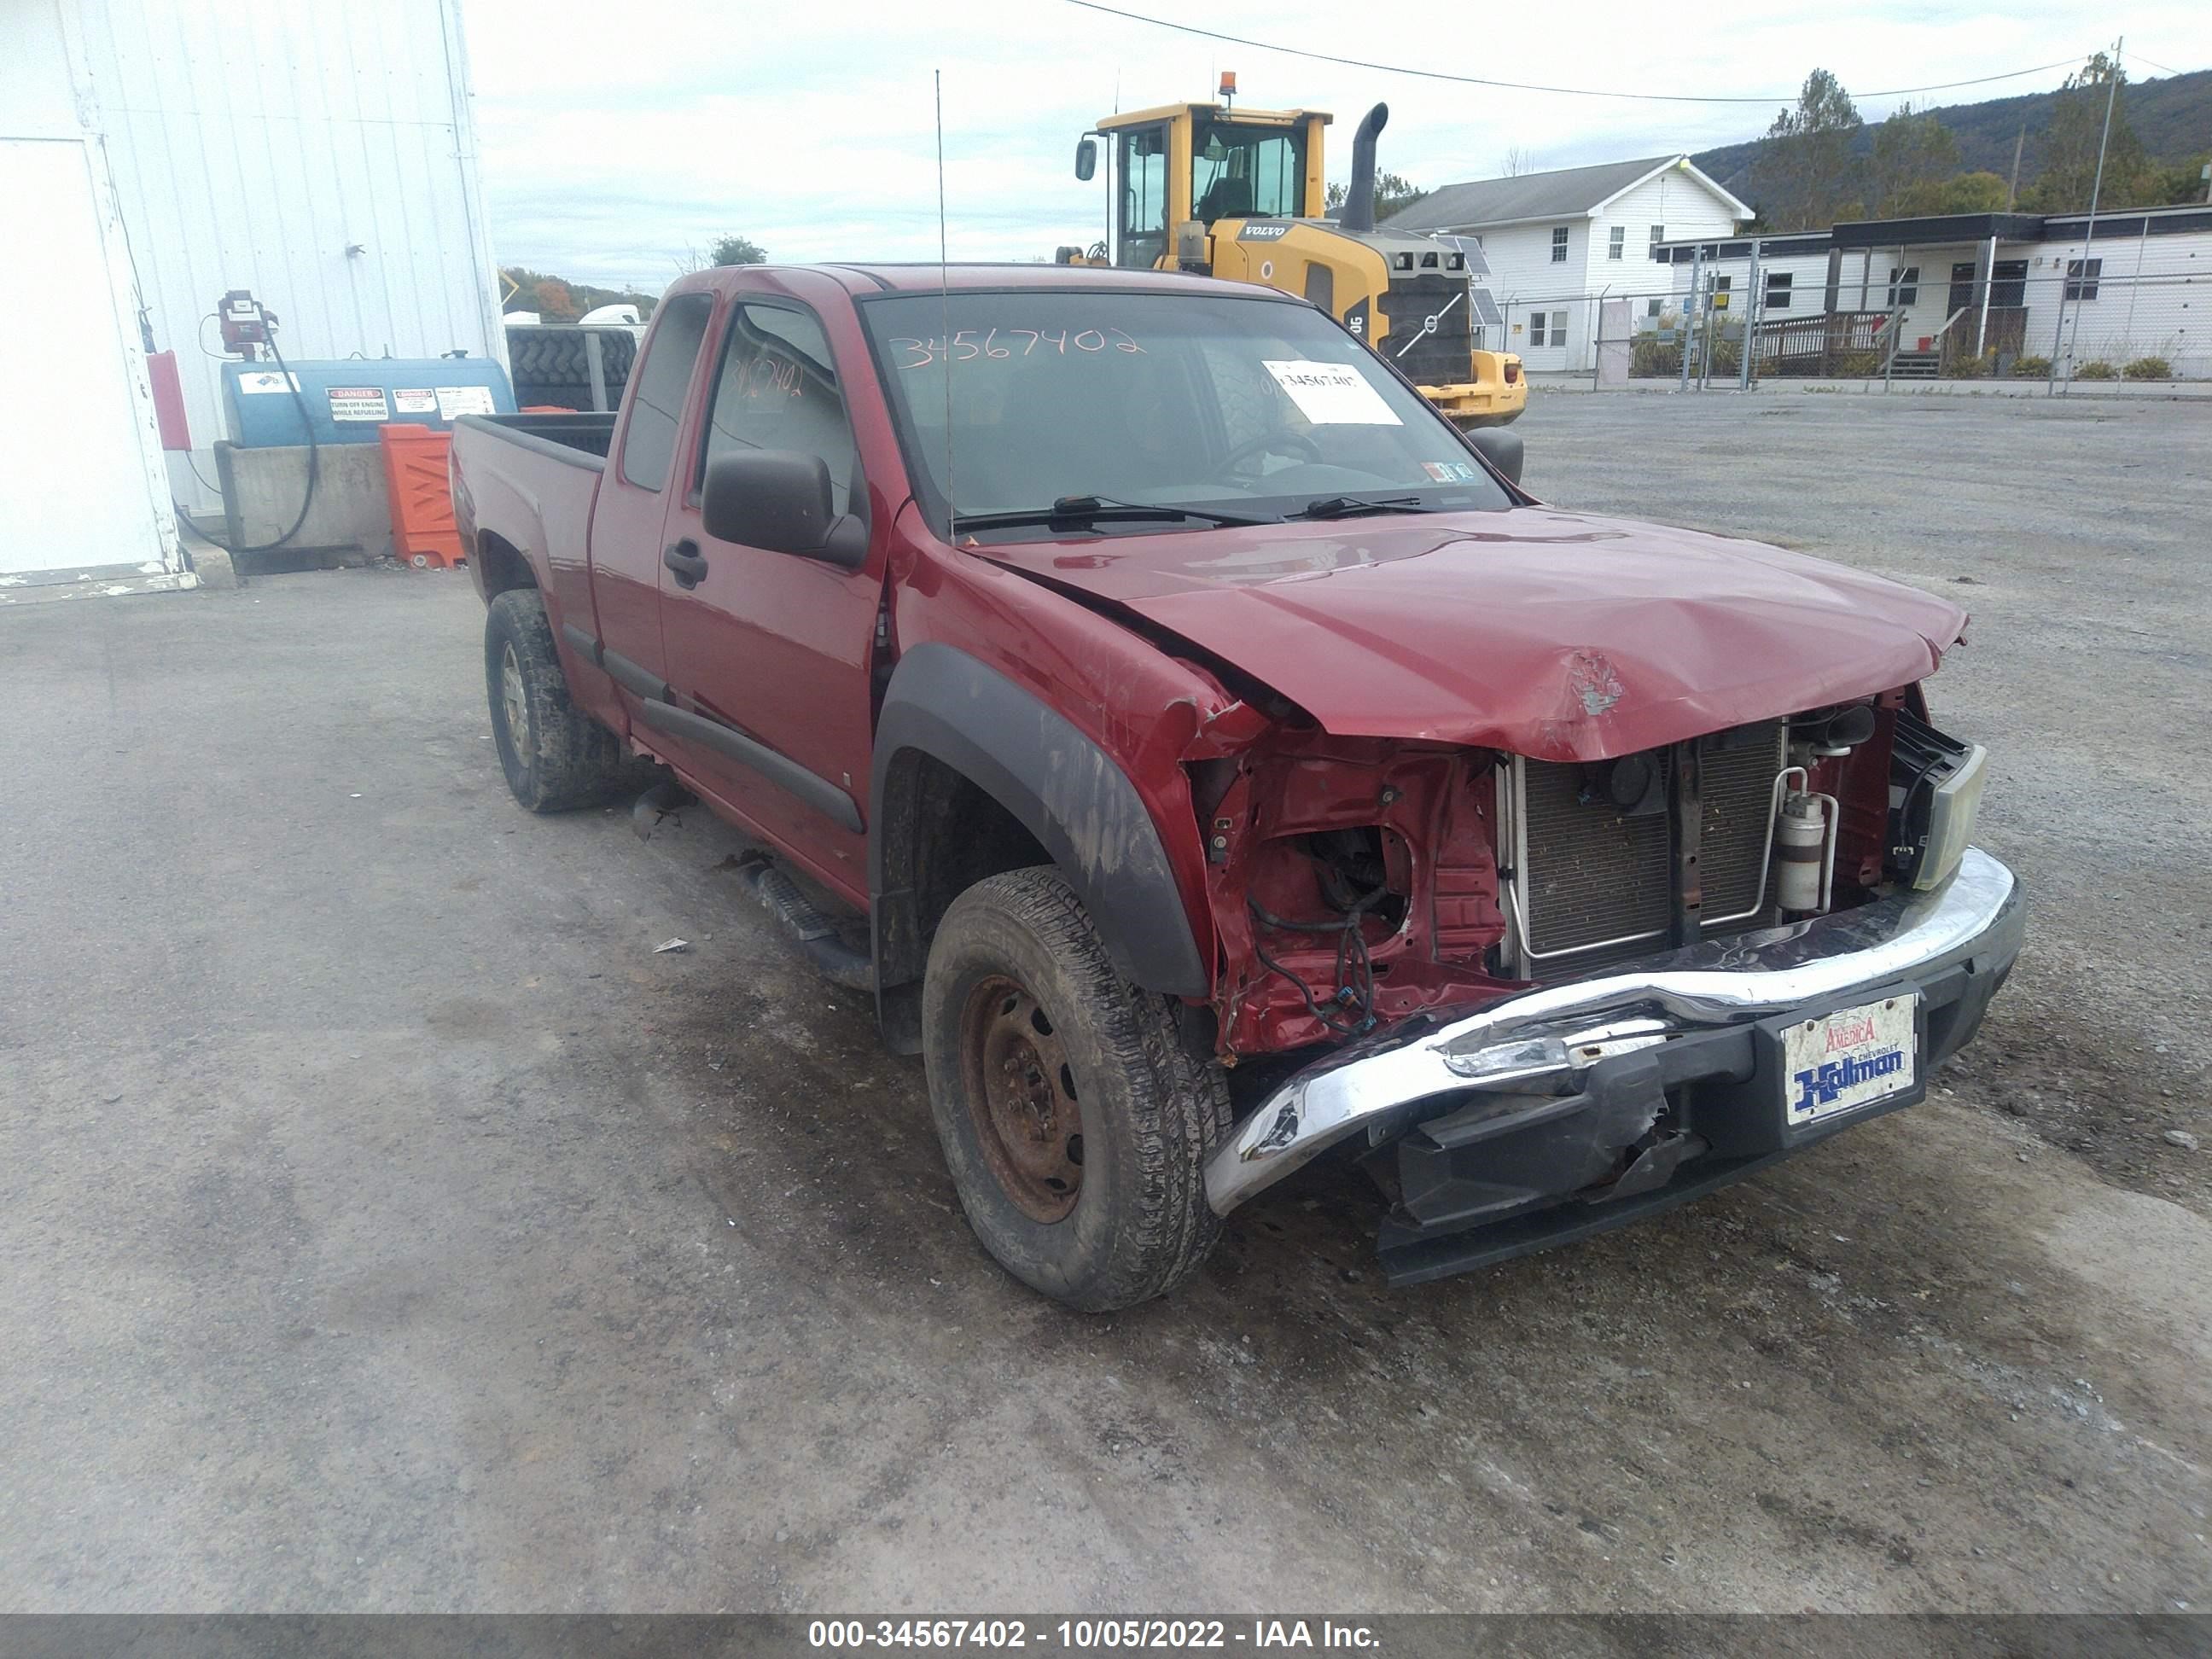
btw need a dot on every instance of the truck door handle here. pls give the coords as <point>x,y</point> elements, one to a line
<point>683,558</point>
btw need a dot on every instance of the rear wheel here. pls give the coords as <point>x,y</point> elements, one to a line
<point>1074,1115</point>
<point>556,756</point>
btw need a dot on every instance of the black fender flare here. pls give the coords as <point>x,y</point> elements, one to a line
<point>1066,790</point>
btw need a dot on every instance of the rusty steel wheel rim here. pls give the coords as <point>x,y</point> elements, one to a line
<point>1021,1097</point>
<point>515,696</point>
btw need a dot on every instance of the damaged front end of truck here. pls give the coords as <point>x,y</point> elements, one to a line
<point>1563,870</point>
<point>1543,996</point>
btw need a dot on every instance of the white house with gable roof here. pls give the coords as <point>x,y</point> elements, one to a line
<point>1559,242</point>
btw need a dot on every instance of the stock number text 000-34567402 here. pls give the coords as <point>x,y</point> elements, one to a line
<point>970,342</point>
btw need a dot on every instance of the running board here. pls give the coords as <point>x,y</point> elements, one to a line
<point>813,931</point>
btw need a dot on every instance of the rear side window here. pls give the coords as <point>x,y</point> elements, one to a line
<point>778,390</point>
<point>656,402</point>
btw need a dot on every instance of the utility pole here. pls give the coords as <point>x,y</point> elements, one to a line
<point>2096,193</point>
<point>1987,274</point>
<point>2012,190</point>
<point>1689,313</point>
<point>1752,307</point>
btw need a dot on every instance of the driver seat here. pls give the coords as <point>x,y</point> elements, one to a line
<point>1227,198</point>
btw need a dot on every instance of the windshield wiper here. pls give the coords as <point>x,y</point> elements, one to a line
<point>1076,511</point>
<point>1346,507</point>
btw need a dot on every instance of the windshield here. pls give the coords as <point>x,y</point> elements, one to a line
<point>1239,171</point>
<point>1246,407</point>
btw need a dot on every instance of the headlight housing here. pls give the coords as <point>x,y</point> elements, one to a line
<point>1935,795</point>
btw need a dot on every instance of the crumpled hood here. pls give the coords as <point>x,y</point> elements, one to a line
<point>1545,632</point>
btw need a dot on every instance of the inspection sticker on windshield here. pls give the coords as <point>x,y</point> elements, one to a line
<point>1332,394</point>
<point>1852,1058</point>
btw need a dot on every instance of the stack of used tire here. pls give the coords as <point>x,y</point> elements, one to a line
<point>550,369</point>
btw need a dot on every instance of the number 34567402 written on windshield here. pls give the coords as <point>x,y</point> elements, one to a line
<point>998,344</point>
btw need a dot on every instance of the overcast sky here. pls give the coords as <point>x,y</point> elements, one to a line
<point>615,137</point>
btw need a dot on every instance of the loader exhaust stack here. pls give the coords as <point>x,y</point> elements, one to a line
<point>1359,213</point>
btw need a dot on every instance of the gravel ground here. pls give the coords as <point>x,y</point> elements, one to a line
<point>2075,533</point>
<point>383,1225</point>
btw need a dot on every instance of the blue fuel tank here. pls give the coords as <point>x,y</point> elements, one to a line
<point>347,399</point>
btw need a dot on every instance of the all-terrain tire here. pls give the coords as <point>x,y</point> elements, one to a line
<point>556,756</point>
<point>550,365</point>
<point>1151,1105</point>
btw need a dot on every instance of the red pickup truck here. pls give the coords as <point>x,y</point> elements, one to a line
<point>1137,689</point>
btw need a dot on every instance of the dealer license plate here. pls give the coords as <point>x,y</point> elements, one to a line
<point>1849,1059</point>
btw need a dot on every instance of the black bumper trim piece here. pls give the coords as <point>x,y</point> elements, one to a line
<point>1495,1177</point>
<point>1431,1259</point>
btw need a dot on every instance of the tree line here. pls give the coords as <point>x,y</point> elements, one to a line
<point>1809,172</point>
<point>556,299</point>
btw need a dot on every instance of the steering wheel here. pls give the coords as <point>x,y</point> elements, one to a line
<point>1282,435</point>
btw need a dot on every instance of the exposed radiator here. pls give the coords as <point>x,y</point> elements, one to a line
<point>1591,884</point>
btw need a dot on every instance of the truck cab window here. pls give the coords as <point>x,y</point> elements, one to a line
<point>777,389</point>
<point>1144,216</point>
<point>657,404</point>
<point>1243,171</point>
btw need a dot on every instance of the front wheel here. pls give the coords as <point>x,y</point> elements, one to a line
<point>1075,1117</point>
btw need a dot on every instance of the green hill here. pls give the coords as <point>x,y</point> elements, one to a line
<point>2173,117</point>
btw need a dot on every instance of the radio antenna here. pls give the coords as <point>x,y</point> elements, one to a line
<point>945,301</point>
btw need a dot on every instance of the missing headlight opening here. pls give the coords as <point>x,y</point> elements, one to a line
<point>1351,873</point>
<point>1356,885</point>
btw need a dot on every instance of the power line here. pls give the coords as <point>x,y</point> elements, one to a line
<point>2154,63</point>
<point>1563,92</point>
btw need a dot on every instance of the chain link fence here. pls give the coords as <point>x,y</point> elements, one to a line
<point>2056,320</point>
<point>2078,323</point>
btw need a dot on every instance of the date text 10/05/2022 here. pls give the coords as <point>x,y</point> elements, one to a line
<point>1009,1635</point>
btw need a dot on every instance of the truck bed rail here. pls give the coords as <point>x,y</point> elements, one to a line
<point>573,440</point>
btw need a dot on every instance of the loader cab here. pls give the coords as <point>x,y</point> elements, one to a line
<point>1204,162</point>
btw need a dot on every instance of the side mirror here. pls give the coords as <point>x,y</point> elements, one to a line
<point>779,499</point>
<point>1501,448</point>
<point>1086,158</point>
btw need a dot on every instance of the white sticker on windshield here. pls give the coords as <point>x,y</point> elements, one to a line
<point>1332,394</point>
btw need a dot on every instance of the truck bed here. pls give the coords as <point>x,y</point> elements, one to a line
<point>579,440</point>
<point>529,483</point>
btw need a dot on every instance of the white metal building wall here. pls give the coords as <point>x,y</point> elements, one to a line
<point>322,155</point>
<point>84,506</point>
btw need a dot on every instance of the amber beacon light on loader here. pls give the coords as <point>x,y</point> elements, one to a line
<point>1238,193</point>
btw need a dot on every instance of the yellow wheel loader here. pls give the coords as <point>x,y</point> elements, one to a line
<point>1237,193</point>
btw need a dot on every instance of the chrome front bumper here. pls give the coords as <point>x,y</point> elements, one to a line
<point>1544,1039</point>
